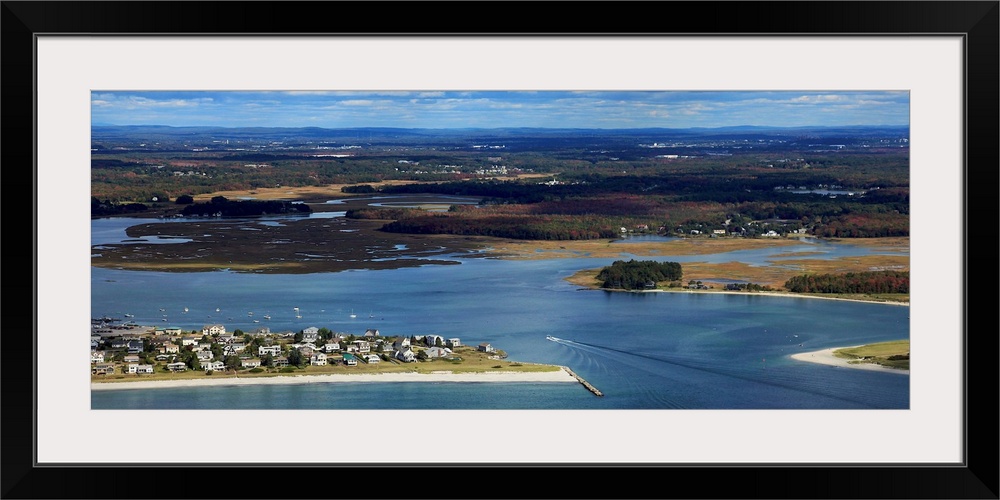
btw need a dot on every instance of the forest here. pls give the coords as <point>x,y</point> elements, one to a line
<point>638,275</point>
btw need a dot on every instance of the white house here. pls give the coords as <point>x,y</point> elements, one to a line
<point>363,346</point>
<point>250,363</point>
<point>144,369</point>
<point>310,334</point>
<point>455,343</point>
<point>213,330</point>
<point>371,332</point>
<point>97,357</point>
<point>172,331</point>
<point>176,367</point>
<point>204,356</point>
<point>406,356</point>
<point>372,358</point>
<point>273,350</point>
<point>350,360</point>
<point>486,347</point>
<point>318,359</point>
<point>331,347</point>
<point>215,366</point>
<point>431,340</point>
<point>436,352</point>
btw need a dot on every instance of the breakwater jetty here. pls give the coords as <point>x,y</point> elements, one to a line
<point>586,384</point>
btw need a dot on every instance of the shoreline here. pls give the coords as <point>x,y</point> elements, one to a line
<point>826,357</point>
<point>769,294</point>
<point>560,376</point>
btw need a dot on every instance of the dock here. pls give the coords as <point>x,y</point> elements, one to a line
<point>586,384</point>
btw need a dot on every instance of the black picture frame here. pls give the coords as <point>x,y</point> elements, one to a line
<point>977,22</point>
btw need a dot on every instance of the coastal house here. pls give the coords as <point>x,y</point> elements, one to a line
<point>103,369</point>
<point>453,343</point>
<point>189,340</point>
<point>204,356</point>
<point>371,332</point>
<point>280,361</point>
<point>432,340</point>
<point>363,346</point>
<point>372,358</point>
<point>486,347</point>
<point>318,359</point>
<point>273,350</point>
<point>136,368</point>
<point>176,367</point>
<point>134,346</point>
<point>250,362</point>
<point>306,351</point>
<point>331,347</point>
<point>406,355</point>
<point>310,334</point>
<point>226,338</point>
<point>172,331</point>
<point>350,360</point>
<point>132,358</point>
<point>97,357</point>
<point>234,349</point>
<point>400,343</point>
<point>213,330</point>
<point>215,366</point>
<point>436,352</point>
<point>170,348</point>
<point>261,331</point>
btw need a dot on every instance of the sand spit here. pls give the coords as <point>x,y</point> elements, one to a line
<point>826,357</point>
<point>437,376</point>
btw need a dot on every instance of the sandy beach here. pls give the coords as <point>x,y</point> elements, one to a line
<point>438,376</point>
<point>826,357</point>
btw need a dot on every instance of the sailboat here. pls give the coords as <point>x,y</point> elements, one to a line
<point>352,314</point>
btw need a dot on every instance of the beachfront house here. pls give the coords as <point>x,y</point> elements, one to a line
<point>250,362</point>
<point>432,340</point>
<point>144,369</point>
<point>453,343</point>
<point>350,360</point>
<point>406,355</point>
<point>214,366</point>
<point>486,347</point>
<point>103,369</point>
<point>318,359</point>
<point>331,347</point>
<point>363,346</point>
<point>176,367</point>
<point>436,352</point>
<point>371,332</point>
<point>372,358</point>
<point>280,361</point>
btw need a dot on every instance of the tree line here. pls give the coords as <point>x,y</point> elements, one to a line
<point>219,205</point>
<point>861,282</point>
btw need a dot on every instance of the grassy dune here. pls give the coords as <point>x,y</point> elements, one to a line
<point>893,354</point>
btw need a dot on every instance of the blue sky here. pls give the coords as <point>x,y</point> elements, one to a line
<point>493,109</point>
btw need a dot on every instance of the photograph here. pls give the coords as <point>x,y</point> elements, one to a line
<point>665,250</point>
<point>488,246</point>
